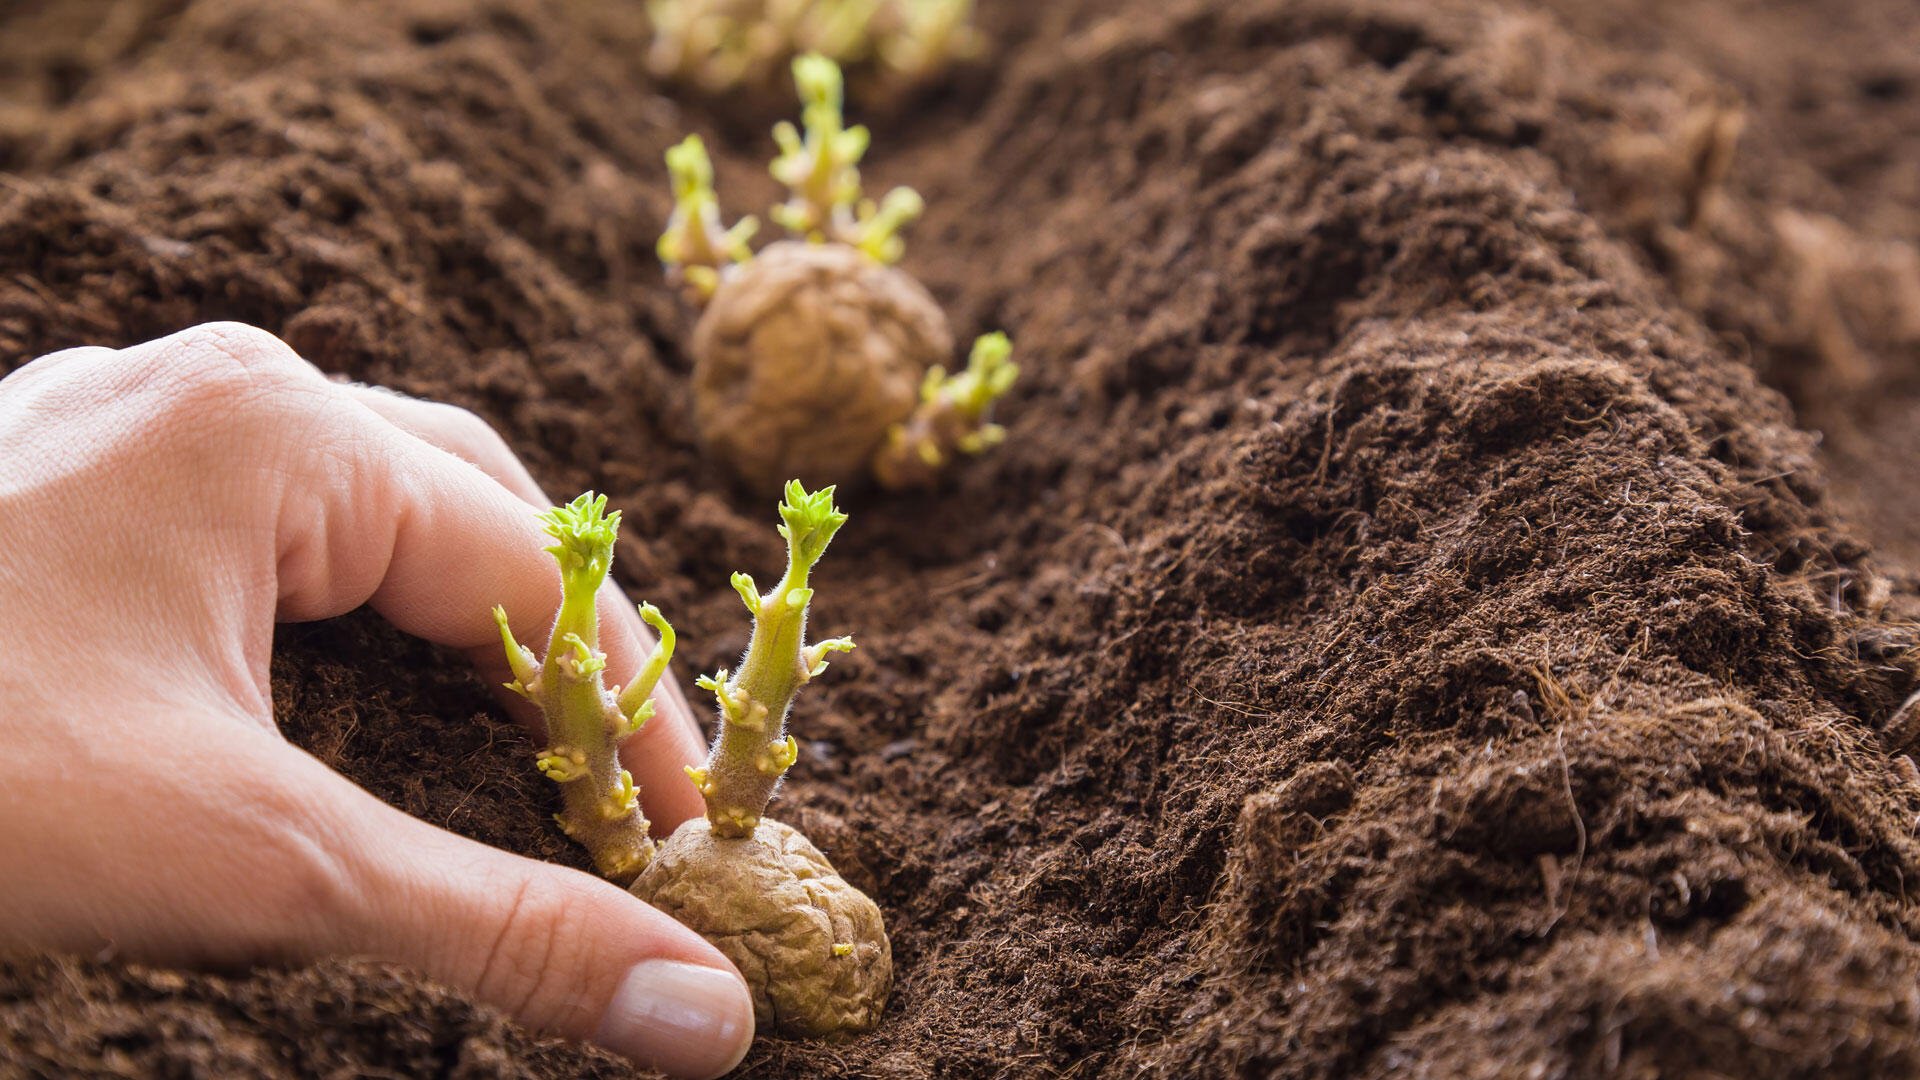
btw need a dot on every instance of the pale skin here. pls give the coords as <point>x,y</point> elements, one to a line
<point>161,507</point>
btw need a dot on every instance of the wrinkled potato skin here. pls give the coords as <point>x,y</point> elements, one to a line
<point>776,907</point>
<point>805,357</point>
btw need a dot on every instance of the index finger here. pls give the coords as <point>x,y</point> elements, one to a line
<point>433,545</point>
<point>470,438</point>
<point>363,512</point>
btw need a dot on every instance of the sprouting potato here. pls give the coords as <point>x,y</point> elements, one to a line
<point>806,358</point>
<point>721,44</point>
<point>813,358</point>
<point>812,947</point>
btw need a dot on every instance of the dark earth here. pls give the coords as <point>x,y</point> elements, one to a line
<point>1442,609</point>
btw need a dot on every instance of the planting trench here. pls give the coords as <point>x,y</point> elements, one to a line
<point>1405,632</point>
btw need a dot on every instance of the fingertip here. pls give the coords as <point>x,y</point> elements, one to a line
<point>685,1020</point>
<point>559,950</point>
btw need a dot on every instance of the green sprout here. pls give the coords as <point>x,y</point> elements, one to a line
<point>876,229</point>
<point>686,36</point>
<point>586,720</point>
<point>812,948</point>
<point>932,33</point>
<point>754,750</point>
<point>834,28</point>
<point>709,43</point>
<point>952,416</point>
<point>694,243</point>
<point>722,44</point>
<point>821,169</point>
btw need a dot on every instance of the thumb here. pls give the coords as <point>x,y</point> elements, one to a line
<point>213,841</point>
<point>559,950</point>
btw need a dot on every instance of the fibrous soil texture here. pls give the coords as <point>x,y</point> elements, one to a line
<point>1412,628</point>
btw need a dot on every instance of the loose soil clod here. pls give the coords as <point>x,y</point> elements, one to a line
<point>1403,633</point>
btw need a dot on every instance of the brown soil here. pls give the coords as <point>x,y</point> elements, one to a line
<point>1403,634</point>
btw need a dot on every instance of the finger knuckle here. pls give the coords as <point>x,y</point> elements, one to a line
<point>229,384</point>
<point>226,358</point>
<point>468,430</point>
<point>56,364</point>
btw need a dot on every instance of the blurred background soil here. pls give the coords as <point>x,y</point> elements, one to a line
<point>1442,608</point>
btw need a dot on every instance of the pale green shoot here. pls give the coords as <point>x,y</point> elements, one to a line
<point>876,230</point>
<point>951,417</point>
<point>933,33</point>
<point>834,28</point>
<point>821,167</point>
<point>585,720</point>
<point>989,374</point>
<point>694,243</point>
<point>754,750</point>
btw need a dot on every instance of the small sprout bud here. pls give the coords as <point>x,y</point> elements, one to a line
<point>585,663</point>
<point>585,719</point>
<point>754,716</point>
<point>808,523</point>
<point>636,720</point>
<point>749,593</point>
<point>876,231</point>
<point>696,40</point>
<point>703,280</point>
<point>699,777</point>
<point>836,28</point>
<point>623,798</point>
<point>933,33</point>
<point>719,44</point>
<point>694,245</point>
<point>562,764</point>
<point>814,657</point>
<point>779,757</point>
<point>979,442</point>
<point>520,659</point>
<point>952,416</point>
<point>735,706</point>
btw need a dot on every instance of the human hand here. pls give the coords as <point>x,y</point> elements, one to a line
<point>160,508</point>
